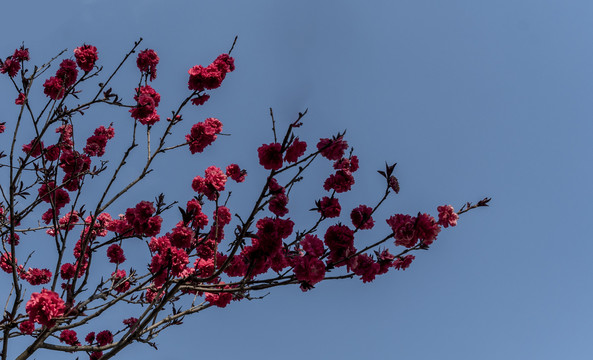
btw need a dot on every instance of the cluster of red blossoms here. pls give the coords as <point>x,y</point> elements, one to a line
<point>56,86</point>
<point>190,252</point>
<point>12,64</point>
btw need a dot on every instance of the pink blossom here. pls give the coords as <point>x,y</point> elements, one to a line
<point>115,254</point>
<point>427,228</point>
<point>203,134</point>
<point>50,194</point>
<point>147,61</point>
<point>200,100</point>
<point>6,262</point>
<point>34,148</point>
<point>181,237</point>
<point>10,66</point>
<point>67,271</point>
<point>67,73</point>
<point>117,277</point>
<point>402,263</point>
<point>341,181</point>
<point>270,156</point>
<point>44,307</point>
<point>278,204</point>
<point>21,54</point>
<point>312,245</point>
<point>394,184</point>
<point>86,56</point>
<point>329,207</point>
<point>404,230</point>
<point>447,216</point>
<point>332,149</point>
<point>69,337</point>
<point>221,299</point>
<point>361,217</point>
<point>213,182</point>
<point>95,145</point>
<point>104,337</point>
<point>37,276</point>
<point>20,100</point>
<point>27,327</point>
<point>222,215</point>
<point>340,241</point>
<point>234,172</point>
<point>295,150</point>
<point>142,220</point>
<point>309,269</point>
<point>364,266</point>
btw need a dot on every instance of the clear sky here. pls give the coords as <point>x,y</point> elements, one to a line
<point>470,98</point>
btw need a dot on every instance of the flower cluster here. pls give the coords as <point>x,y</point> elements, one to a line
<point>147,100</point>
<point>407,230</point>
<point>95,145</point>
<point>203,134</point>
<point>56,86</point>
<point>211,76</point>
<point>147,61</point>
<point>12,64</point>
<point>211,184</point>
<point>44,307</point>
<point>141,219</point>
<point>86,57</point>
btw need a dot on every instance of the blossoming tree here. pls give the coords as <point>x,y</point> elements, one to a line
<point>193,264</point>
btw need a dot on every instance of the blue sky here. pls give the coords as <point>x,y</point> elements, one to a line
<point>470,98</point>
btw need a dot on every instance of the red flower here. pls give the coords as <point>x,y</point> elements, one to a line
<point>95,145</point>
<point>295,150</point>
<point>117,277</point>
<point>147,61</point>
<point>278,204</point>
<point>427,228</point>
<point>34,148</point>
<point>181,237</point>
<point>212,184</point>
<point>6,262</point>
<point>115,254</point>
<point>27,327</point>
<point>200,100</point>
<point>44,307</point>
<point>234,172</point>
<point>67,73</point>
<point>312,245</point>
<point>37,276</point>
<point>341,181</point>
<point>50,194</point>
<point>67,271</point>
<point>69,337</point>
<point>309,269</point>
<point>364,266</point>
<point>404,229</point>
<point>10,66</point>
<point>104,337</point>
<point>203,134</point>
<point>402,263</point>
<point>361,217</point>
<point>332,149</point>
<point>270,156</point>
<point>221,299</point>
<point>20,100</point>
<point>21,54</point>
<point>86,56</point>
<point>447,216</point>
<point>147,100</point>
<point>329,207</point>
<point>141,219</point>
